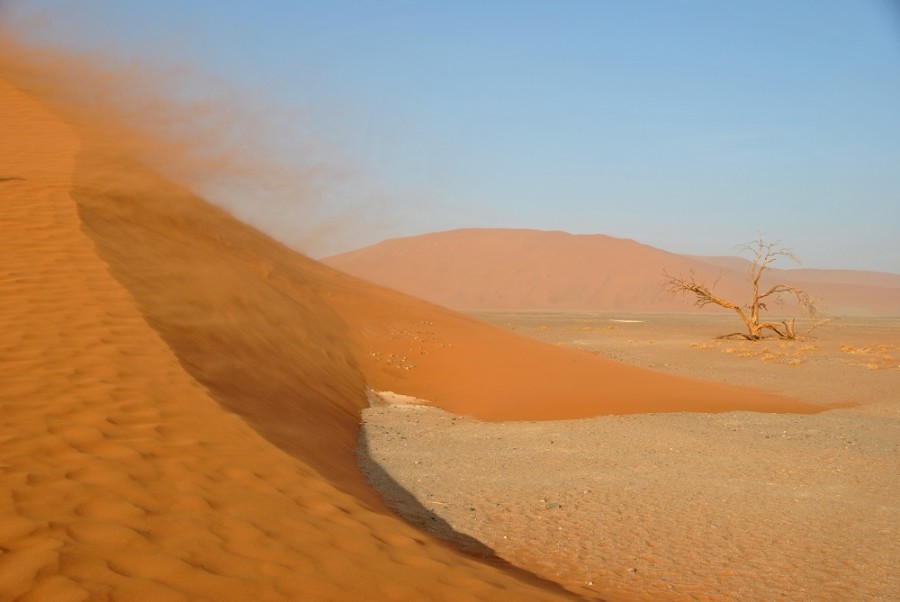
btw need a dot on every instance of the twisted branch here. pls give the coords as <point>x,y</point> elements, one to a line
<point>764,254</point>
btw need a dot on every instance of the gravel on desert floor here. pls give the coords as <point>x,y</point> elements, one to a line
<point>680,506</point>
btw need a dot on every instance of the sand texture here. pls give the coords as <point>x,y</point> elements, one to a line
<point>180,395</point>
<point>124,476</point>
<point>733,506</point>
<point>500,269</point>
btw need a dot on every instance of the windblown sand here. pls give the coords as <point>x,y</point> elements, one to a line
<point>125,475</point>
<point>180,395</point>
<point>685,506</point>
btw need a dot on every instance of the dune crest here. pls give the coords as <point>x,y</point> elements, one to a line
<point>123,476</point>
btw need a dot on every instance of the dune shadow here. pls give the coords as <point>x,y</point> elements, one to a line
<point>249,320</point>
<point>410,509</point>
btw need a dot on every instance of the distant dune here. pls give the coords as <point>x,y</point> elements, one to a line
<point>180,395</point>
<point>482,269</point>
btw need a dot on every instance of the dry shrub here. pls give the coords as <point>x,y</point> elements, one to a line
<point>873,357</point>
<point>786,353</point>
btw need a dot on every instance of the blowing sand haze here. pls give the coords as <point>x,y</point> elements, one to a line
<point>181,396</point>
<point>136,465</point>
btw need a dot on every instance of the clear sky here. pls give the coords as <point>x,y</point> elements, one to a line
<point>690,125</point>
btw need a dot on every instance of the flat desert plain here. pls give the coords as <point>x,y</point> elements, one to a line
<point>673,506</point>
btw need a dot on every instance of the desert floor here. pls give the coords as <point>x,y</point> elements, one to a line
<point>679,506</point>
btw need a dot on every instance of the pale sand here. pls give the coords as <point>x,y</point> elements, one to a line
<point>686,506</point>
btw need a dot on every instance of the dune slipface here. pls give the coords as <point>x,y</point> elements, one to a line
<point>181,394</point>
<point>123,476</point>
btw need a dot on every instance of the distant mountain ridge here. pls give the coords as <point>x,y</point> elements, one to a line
<point>519,269</point>
<point>800,274</point>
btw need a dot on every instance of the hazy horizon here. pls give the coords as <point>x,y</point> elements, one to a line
<point>690,127</point>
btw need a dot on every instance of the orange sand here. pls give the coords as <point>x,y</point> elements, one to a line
<point>467,367</point>
<point>124,478</point>
<point>181,394</point>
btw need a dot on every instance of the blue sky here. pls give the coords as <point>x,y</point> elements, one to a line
<point>692,126</point>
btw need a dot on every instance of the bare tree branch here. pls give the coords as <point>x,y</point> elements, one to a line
<point>764,254</point>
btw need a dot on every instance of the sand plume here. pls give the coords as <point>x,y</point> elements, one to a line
<point>124,478</point>
<point>268,164</point>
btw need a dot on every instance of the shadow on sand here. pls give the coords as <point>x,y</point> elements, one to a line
<point>411,510</point>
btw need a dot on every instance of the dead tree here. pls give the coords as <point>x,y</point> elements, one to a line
<point>764,254</point>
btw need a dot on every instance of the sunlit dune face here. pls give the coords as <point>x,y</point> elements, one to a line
<point>179,407</point>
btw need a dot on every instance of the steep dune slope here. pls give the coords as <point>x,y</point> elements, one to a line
<point>225,287</point>
<point>235,307</point>
<point>529,269</point>
<point>122,476</point>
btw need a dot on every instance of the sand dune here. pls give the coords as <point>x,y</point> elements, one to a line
<point>181,395</point>
<point>478,269</point>
<point>123,477</point>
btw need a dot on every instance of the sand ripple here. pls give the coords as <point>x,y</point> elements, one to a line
<point>123,478</point>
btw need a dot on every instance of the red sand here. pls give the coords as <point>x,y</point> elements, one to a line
<point>480,269</point>
<point>181,394</point>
